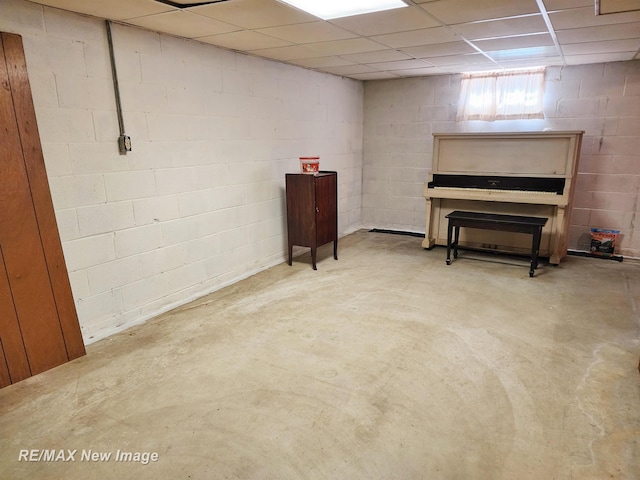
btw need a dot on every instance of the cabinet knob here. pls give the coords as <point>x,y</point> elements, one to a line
<point>317,210</point>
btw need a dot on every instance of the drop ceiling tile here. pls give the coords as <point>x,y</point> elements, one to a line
<point>599,33</point>
<point>390,21</point>
<point>552,5</point>
<point>601,47</point>
<point>321,62</point>
<point>519,41</point>
<point>374,76</point>
<point>244,40</point>
<point>400,65</point>
<point>254,14</point>
<point>598,58</point>
<point>614,6</point>
<point>344,47</point>
<point>502,28</point>
<point>285,54</point>
<point>427,36</point>
<point>112,9</point>
<point>308,32</point>
<point>350,69</point>
<point>322,49</point>
<point>416,72</point>
<point>471,68</point>
<point>439,50</point>
<point>388,55</point>
<point>183,24</point>
<point>546,61</point>
<point>585,17</point>
<point>470,59</point>
<point>453,12</point>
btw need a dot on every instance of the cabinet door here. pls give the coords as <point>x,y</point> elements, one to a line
<point>300,210</point>
<point>326,208</point>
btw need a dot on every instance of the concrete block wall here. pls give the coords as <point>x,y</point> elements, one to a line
<point>603,100</point>
<point>199,201</point>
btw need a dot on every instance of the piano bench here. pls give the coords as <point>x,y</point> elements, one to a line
<point>492,221</point>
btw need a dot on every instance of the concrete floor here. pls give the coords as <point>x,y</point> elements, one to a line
<point>385,364</point>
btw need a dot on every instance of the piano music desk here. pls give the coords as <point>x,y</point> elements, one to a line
<point>492,221</point>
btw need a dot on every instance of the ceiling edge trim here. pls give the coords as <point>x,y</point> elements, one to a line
<point>189,5</point>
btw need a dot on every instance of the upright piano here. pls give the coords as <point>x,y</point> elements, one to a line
<point>514,173</point>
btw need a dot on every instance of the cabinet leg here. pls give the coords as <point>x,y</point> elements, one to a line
<point>313,258</point>
<point>290,254</point>
<point>335,249</point>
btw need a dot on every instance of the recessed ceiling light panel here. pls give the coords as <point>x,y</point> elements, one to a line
<point>328,9</point>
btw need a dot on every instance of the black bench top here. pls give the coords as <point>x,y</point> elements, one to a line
<point>497,218</point>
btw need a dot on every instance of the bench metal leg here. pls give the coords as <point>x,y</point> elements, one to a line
<point>449,232</point>
<point>455,242</point>
<point>535,250</point>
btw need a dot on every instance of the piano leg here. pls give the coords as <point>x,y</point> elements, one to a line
<point>429,242</point>
<point>558,233</point>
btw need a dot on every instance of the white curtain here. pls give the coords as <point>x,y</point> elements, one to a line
<point>506,95</point>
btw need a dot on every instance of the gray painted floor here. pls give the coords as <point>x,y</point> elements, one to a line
<point>385,364</point>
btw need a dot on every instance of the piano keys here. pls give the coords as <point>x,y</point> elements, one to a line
<point>514,173</point>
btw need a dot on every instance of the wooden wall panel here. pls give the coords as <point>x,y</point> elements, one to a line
<point>34,284</point>
<point>36,172</point>
<point>15,356</point>
<point>5,379</point>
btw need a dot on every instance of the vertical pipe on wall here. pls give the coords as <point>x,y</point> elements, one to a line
<point>124,141</point>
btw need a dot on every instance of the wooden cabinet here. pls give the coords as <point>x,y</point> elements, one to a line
<point>312,211</point>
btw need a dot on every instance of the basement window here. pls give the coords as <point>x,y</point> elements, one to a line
<point>504,95</point>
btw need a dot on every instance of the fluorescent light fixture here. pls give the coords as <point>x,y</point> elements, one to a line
<point>520,53</point>
<point>328,9</point>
